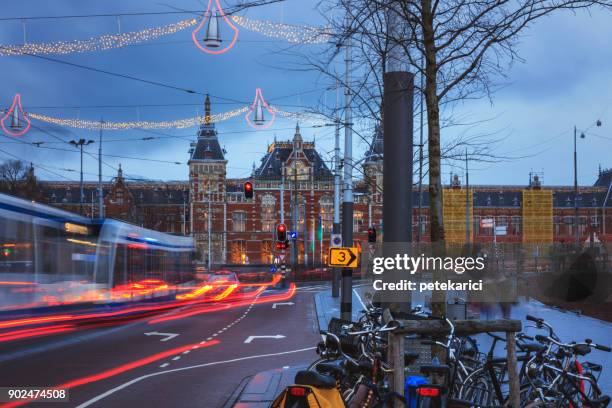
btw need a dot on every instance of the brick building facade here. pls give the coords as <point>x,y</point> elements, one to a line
<point>293,175</point>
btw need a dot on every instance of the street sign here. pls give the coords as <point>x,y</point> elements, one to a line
<point>502,230</point>
<point>273,268</point>
<point>293,235</point>
<point>336,240</point>
<point>343,257</point>
<point>486,223</point>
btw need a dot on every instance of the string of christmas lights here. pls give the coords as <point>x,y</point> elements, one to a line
<point>101,43</point>
<point>302,117</point>
<point>177,124</point>
<point>291,33</point>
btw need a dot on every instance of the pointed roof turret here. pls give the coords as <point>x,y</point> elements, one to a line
<point>207,117</point>
<point>297,138</point>
<point>376,149</point>
<point>207,147</point>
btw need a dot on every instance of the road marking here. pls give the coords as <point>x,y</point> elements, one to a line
<point>186,351</point>
<point>215,334</point>
<point>169,336</point>
<point>164,365</point>
<point>281,304</point>
<point>174,370</point>
<point>275,337</point>
<point>360,301</point>
<point>176,358</point>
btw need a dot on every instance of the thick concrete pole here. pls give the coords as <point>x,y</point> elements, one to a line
<point>397,161</point>
<point>397,167</point>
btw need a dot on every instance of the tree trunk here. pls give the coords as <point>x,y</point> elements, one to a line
<point>436,224</point>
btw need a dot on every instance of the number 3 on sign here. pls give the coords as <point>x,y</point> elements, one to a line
<point>344,257</point>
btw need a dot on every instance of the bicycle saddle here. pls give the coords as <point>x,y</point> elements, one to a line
<point>531,347</point>
<point>314,379</point>
<point>581,349</point>
<point>331,367</point>
<point>592,366</point>
<point>600,402</point>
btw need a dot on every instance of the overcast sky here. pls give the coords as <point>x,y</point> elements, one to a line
<point>564,81</point>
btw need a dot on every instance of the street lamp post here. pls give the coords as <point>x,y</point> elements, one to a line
<point>576,217</point>
<point>79,145</point>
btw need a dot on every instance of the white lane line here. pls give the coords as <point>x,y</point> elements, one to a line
<point>359,298</point>
<point>214,335</point>
<point>174,370</point>
<point>186,351</point>
<point>176,358</point>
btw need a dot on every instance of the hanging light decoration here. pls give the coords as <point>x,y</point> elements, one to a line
<point>211,41</point>
<point>106,125</point>
<point>208,41</point>
<point>101,43</point>
<point>213,35</point>
<point>259,115</point>
<point>302,117</point>
<point>291,33</point>
<point>257,111</point>
<point>15,122</point>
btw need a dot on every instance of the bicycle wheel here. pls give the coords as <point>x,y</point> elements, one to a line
<point>477,388</point>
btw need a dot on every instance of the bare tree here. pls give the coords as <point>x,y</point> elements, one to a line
<point>12,174</point>
<point>461,47</point>
<point>17,179</point>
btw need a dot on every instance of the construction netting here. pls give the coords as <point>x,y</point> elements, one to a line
<point>454,203</point>
<point>537,216</point>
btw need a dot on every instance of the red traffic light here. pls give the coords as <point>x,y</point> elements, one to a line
<point>282,245</point>
<point>248,190</point>
<point>371,234</point>
<point>281,233</point>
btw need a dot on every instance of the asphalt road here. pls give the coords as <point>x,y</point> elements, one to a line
<point>121,366</point>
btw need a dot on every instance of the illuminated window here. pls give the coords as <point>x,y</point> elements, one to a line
<point>239,221</point>
<point>326,209</point>
<point>266,252</point>
<point>268,214</point>
<point>357,221</point>
<point>238,252</point>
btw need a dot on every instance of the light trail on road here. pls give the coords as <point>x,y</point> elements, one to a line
<point>118,370</point>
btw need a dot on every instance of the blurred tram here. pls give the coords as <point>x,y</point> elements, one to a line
<point>43,245</point>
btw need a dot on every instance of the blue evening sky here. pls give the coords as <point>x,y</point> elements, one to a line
<point>565,80</point>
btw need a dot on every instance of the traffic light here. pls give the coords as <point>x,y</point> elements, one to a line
<point>281,233</point>
<point>282,245</point>
<point>248,190</point>
<point>371,234</point>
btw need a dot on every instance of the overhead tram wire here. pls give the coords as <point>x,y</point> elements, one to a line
<point>227,11</point>
<point>39,146</point>
<point>38,165</point>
